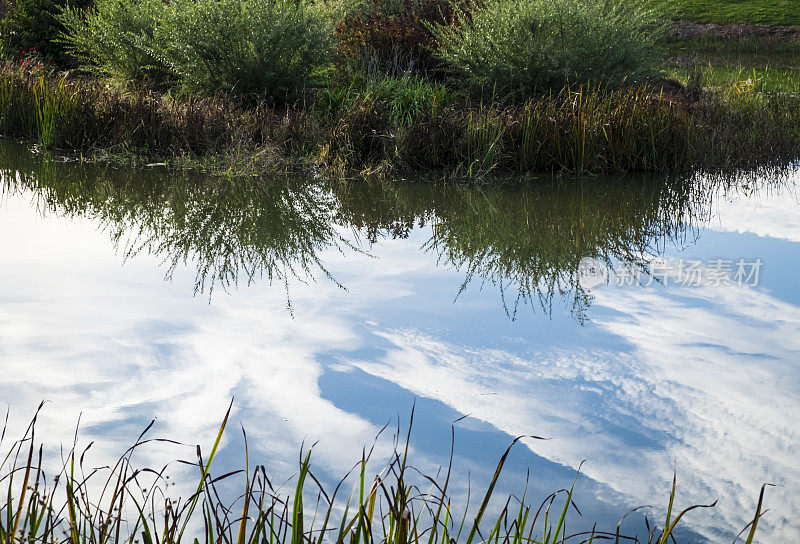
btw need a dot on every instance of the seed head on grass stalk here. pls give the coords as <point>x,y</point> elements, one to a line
<point>387,509</point>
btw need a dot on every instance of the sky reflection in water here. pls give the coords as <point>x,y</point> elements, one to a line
<point>466,299</point>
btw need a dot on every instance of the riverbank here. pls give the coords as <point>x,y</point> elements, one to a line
<point>392,126</point>
<point>382,89</point>
<point>732,38</point>
<point>752,12</point>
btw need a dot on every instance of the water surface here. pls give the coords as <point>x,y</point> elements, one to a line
<point>621,318</point>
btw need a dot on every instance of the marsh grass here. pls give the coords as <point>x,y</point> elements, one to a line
<point>84,505</point>
<point>91,117</point>
<point>579,129</point>
<point>395,125</point>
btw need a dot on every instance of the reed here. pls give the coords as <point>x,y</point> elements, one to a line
<point>407,124</point>
<point>81,505</point>
<point>582,129</point>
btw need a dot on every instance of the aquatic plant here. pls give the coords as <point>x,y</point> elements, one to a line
<point>82,505</point>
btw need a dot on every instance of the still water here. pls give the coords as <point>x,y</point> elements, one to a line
<point>644,326</point>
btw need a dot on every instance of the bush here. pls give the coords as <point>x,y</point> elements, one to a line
<point>391,37</point>
<point>524,45</point>
<point>29,25</point>
<point>117,39</point>
<point>254,49</point>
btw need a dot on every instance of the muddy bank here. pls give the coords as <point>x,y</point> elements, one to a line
<point>734,31</point>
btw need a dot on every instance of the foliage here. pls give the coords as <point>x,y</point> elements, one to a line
<point>531,45</point>
<point>390,36</point>
<point>256,49</point>
<point>260,49</point>
<point>28,25</point>
<point>117,39</point>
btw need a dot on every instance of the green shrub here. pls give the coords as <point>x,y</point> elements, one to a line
<point>117,39</point>
<point>525,45</point>
<point>33,25</point>
<point>254,49</point>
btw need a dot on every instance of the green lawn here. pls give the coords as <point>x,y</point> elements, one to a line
<point>762,78</point>
<point>769,12</point>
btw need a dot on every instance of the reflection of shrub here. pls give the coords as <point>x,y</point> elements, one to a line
<point>528,44</point>
<point>391,36</point>
<point>254,49</point>
<point>33,25</point>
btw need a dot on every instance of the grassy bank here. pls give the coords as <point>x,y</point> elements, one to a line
<point>719,73</point>
<point>764,12</point>
<point>383,88</point>
<point>124,503</point>
<point>395,125</point>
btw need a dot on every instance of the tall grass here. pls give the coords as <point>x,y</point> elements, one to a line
<point>89,117</point>
<point>579,129</point>
<point>394,125</point>
<point>81,505</point>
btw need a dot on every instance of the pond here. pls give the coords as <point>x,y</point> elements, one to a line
<point>644,326</point>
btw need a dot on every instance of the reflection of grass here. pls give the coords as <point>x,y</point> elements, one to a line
<point>122,503</point>
<point>527,240</point>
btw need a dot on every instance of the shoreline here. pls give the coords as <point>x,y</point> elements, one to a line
<point>663,128</point>
<point>733,31</point>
